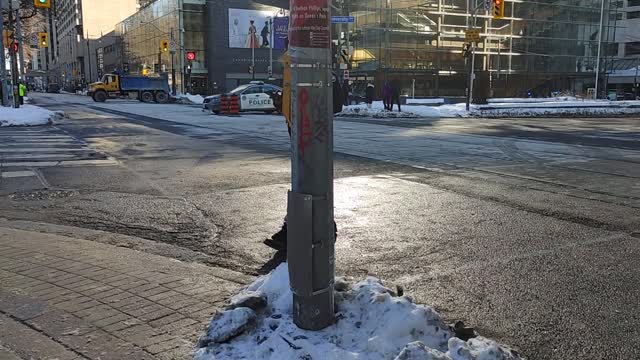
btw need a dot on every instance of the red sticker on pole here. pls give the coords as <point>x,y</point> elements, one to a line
<point>310,24</point>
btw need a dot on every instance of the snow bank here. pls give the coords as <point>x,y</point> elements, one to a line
<point>411,101</point>
<point>28,115</point>
<point>189,99</point>
<point>532,100</point>
<point>371,324</point>
<point>408,111</point>
<point>508,107</point>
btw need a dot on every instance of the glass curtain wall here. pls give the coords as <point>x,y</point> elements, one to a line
<point>143,32</point>
<point>540,46</point>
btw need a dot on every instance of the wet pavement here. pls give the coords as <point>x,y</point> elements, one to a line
<point>526,229</point>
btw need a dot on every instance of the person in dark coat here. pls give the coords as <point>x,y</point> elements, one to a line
<point>369,93</point>
<point>386,96</point>
<point>346,89</point>
<point>395,94</point>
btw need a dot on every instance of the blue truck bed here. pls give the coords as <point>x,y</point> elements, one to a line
<point>136,83</point>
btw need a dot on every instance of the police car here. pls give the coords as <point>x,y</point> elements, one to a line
<point>255,96</point>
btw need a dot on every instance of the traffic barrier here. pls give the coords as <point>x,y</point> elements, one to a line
<point>224,104</point>
<point>234,105</point>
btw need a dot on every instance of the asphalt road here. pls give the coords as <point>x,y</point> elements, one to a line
<point>526,229</point>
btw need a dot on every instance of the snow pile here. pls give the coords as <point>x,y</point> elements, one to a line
<point>189,99</point>
<point>408,111</point>
<point>532,100</point>
<point>28,115</point>
<point>371,323</point>
<point>436,101</point>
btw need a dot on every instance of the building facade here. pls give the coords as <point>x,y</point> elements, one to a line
<point>204,28</point>
<point>538,47</point>
<point>76,26</point>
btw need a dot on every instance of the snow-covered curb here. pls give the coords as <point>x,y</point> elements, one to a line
<point>28,115</point>
<point>566,107</point>
<point>189,99</point>
<point>372,323</point>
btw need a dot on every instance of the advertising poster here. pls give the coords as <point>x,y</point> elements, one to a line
<point>250,28</point>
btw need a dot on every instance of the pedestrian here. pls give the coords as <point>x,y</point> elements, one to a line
<point>265,35</point>
<point>386,96</point>
<point>22,91</point>
<point>278,241</point>
<point>346,90</point>
<point>395,94</point>
<point>369,93</point>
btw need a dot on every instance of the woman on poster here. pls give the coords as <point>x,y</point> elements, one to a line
<point>252,36</point>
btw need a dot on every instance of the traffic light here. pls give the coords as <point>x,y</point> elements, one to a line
<point>251,69</point>
<point>191,55</point>
<point>164,45</point>
<point>498,9</point>
<point>43,39</point>
<point>15,46</point>
<point>42,3</point>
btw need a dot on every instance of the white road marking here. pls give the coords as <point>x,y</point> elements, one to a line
<point>15,174</point>
<point>28,150</point>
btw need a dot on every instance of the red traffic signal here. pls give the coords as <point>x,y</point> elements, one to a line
<point>15,46</point>
<point>498,9</point>
<point>191,55</point>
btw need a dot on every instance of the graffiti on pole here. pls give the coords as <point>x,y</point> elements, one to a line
<point>310,24</point>
<point>305,132</point>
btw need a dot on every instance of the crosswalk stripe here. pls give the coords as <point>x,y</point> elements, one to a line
<point>15,174</point>
<point>60,163</point>
<point>35,150</point>
<point>35,157</point>
<point>40,149</point>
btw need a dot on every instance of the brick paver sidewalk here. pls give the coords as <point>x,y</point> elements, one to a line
<point>66,298</point>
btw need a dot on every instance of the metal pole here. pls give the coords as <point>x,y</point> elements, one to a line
<point>3,65</point>
<point>173,66</point>
<point>599,47</point>
<point>469,65</point>
<point>253,56</point>
<point>311,238</point>
<point>271,38</point>
<point>635,80</point>
<point>20,39</point>
<point>88,79</point>
<point>14,66</point>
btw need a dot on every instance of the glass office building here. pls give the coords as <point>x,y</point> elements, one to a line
<point>143,32</point>
<point>538,47</point>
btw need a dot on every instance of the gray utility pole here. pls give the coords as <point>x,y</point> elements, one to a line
<point>14,65</point>
<point>471,23</point>
<point>311,238</point>
<point>88,72</point>
<point>20,39</point>
<point>271,39</point>
<point>599,48</point>
<point>172,49</point>
<point>3,65</point>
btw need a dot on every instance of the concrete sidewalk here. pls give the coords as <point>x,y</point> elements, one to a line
<point>68,298</point>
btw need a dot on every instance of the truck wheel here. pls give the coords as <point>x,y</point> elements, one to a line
<point>100,96</point>
<point>146,96</point>
<point>161,97</point>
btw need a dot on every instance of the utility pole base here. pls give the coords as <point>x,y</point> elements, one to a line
<point>308,311</point>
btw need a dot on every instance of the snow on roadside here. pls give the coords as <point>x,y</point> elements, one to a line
<point>532,100</point>
<point>189,99</point>
<point>28,115</point>
<point>565,106</point>
<point>371,323</point>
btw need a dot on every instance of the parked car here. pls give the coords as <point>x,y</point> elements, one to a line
<point>255,96</point>
<point>53,88</point>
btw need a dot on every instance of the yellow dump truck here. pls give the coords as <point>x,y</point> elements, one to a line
<point>146,89</point>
